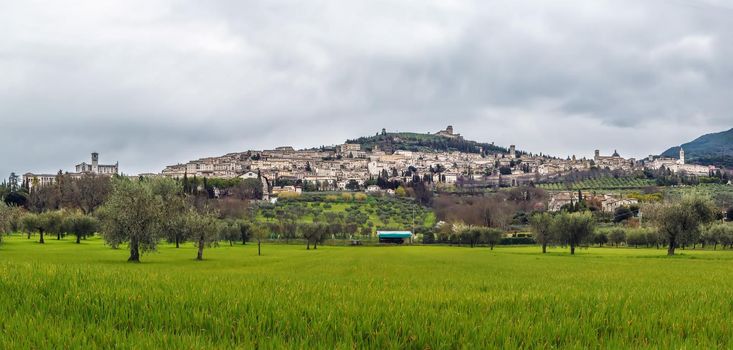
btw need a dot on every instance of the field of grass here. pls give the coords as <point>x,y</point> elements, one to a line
<point>600,184</point>
<point>63,295</point>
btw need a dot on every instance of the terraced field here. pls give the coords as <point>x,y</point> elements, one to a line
<point>600,184</point>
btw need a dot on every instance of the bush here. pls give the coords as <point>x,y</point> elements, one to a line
<point>288,195</point>
<point>517,241</point>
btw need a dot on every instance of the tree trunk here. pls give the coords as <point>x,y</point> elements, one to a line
<point>492,247</point>
<point>715,246</point>
<point>572,249</point>
<point>244,240</point>
<point>544,248</point>
<point>41,240</point>
<point>178,242</point>
<point>78,239</point>
<point>315,245</point>
<point>670,250</point>
<point>259,251</point>
<point>29,234</point>
<point>200,255</point>
<point>308,245</point>
<point>58,236</point>
<point>134,252</point>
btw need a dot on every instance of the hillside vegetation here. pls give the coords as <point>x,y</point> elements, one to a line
<point>710,149</point>
<point>599,184</point>
<point>423,142</point>
<point>365,213</point>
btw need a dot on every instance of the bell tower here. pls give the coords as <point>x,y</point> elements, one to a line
<point>95,162</point>
<point>682,156</point>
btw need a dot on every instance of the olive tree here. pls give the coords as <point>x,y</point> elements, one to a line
<point>174,208</point>
<point>132,215</point>
<point>617,236</point>
<point>541,228</point>
<point>10,219</point>
<point>245,231</point>
<point>490,236</point>
<point>229,231</point>
<point>259,232</point>
<point>80,225</point>
<point>680,222</point>
<point>573,228</point>
<point>203,229</point>
<point>313,233</point>
<point>48,222</point>
<point>719,234</point>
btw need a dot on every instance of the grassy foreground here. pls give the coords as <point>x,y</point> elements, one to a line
<point>63,295</point>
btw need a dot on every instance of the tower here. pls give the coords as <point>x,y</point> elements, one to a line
<point>682,156</point>
<point>95,162</point>
<point>512,151</point>
<point>598,155</point>
<point>449,129</point>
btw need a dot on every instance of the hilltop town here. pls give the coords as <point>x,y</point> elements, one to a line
<point>353,165</point>
<point>443,161</point>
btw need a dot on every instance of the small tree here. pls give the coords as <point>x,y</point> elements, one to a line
<point>600,238</point>
<point>10,219</point>
<point>245,231</point>
<point>259,232</point>
<point>617,236</point>
<point>573,228</point>
<point>491,236</point>
<point>54,223</point>
<point>719,234</point>
<point>80,225</point>
<point>229,231</point>
<point>314,233</point>
<point>132,215</point>
<point>471,234</point>
<point>541,227</point>
<point>35,223</point>
<point>203,229</point>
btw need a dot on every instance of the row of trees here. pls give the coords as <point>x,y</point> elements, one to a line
<point>675,224</point>
<point>712,235</point>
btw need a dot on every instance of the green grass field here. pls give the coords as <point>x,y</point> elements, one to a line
<point>63,295</point>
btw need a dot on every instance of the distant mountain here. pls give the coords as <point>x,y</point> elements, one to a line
<point>710,149</point>
<point>408,141</point>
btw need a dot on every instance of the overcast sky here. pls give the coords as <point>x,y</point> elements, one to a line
<point>150,83</point>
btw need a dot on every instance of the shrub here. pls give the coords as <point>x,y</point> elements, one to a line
<point>288,195</point>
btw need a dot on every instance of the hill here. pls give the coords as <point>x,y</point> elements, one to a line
<point>710,149</point>
<point>408,141</point>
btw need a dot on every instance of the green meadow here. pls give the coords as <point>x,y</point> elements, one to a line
<point>63,295</point>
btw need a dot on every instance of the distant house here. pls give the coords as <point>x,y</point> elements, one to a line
<point>373,189</point>
<point>249,175</point>
<point>610,204</point>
